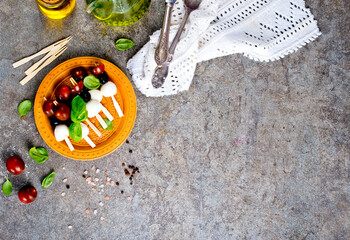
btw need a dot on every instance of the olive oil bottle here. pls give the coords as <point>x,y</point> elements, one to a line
<point>56,9</point>
<point>118,12</point>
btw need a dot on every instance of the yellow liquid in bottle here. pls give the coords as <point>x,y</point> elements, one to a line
<point>56,9</point>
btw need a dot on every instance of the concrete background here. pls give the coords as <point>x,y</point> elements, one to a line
<point>288,178</point>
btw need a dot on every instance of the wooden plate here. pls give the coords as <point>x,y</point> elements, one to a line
<point>110,140</point>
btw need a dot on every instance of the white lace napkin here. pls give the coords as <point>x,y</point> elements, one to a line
<point>263,30</point>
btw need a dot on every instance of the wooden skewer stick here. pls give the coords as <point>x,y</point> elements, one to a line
<point>91,143</point>
<point>107,113</point>
<point>69,144</point>
<point>37,64</point>
<point>117,107</point>
<point>93,128</point>
<point>47,62</point>
<point>101,121</point>
<point>45,50</point>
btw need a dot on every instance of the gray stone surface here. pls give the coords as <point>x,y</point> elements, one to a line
<point>287,179</point>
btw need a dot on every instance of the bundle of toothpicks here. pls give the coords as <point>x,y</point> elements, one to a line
<point>52,52</point>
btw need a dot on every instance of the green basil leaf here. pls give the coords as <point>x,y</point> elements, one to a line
<point>75,132</point>
<point>124,44</point>
<point>39,155</point>
<point>109,125</point>
<point>7,187</point>
<point>91,82</point>
<point>24,107</point>
<point>78,111</point>
<point>48,180</point>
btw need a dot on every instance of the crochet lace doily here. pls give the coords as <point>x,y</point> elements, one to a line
<point>263,30</point>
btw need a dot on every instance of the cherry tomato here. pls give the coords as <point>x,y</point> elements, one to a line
<point>27,194</point>
<point>77,88</point>
<point>63,92</point>
<point>49,108</point>
<point>15,165</point>
<point>62,112</point>
<point>99,69</point>
<point>79,73</point>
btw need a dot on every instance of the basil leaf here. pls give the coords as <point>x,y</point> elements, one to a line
<point>39,155</point>
<point>48,180</point>
<point>124,44</point>
<point>109,125</point>
<point>91,82</point>
<point>7,187</point>
<point>75,132</point>
<point>78,111</point>
<point>24,107</point>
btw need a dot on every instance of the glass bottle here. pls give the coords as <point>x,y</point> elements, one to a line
<point>56,9</point>
<point>118,12</point>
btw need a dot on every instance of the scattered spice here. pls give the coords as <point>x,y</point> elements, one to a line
<point>127,141</point>
<point>117,183</point>
<point>127,173</point>
<point>87,211</point>
<point>130,183</point>
<point>84,176</point>
<point>67,186</point>
<point>88,179</point>
<point>106,197</point>
<point>108,179</point>
<point>94,189</point>
<point>64,180</point>
<point>112,182</point>
<point>85,172</point>
<point>130,151</point>
<point>123,164</point>
<point>129,198</point>
<point>106,171</point>
<point>102,218</point>
<point>122,192</point>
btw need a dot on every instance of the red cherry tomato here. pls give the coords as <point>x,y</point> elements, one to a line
<point>99,69</point>
<point>63,92</point>
<point>77,88</point>
<point>62,112</point>
<point>49,108</point>
<point>15,165</point>
<point>27,194</point>
<point>79,73</point>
